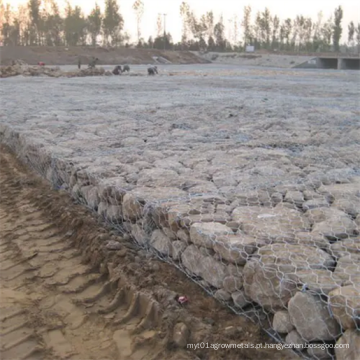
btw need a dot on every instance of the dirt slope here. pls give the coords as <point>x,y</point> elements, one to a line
<point>69,55</point>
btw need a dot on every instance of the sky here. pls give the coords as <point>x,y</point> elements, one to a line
<point>228,8</point>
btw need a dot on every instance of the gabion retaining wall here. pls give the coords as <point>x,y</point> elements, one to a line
<point>286,256</point>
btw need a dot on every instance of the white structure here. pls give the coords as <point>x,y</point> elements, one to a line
<point>250,48</point>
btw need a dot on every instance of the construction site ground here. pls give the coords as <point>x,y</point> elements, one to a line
<point>63,298</point>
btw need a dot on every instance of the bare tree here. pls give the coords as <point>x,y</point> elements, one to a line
<point>138,7</point>
<point>337,30</point>
<point>159,26</point>
<point>246,24</point>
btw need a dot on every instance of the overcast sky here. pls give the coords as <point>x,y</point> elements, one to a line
<point>228,8</point>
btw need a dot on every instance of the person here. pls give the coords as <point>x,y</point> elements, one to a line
<point>152,70</point>
<point>79,63</point>
<point>126,68</point>
<point>93,62</point>
<point>117,70</point>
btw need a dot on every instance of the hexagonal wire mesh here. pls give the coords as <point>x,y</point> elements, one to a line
<point>271,234</point>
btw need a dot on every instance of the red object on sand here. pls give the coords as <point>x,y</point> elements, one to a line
<point>182,300</point>
<point>41,63</point>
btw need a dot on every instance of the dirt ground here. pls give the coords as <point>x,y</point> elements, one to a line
<point>64,296</point>
<point>61,55</point>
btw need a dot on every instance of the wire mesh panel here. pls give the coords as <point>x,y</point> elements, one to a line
<point>265,218</point>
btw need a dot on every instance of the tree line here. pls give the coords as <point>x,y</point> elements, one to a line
<point>40,22</point>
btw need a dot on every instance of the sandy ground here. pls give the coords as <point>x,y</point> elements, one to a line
<point>60,301</point>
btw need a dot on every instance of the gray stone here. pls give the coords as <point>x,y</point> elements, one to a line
<point>314,204</point>
<point>131,208</point>
<point>178,248</point>
<point>205,234</point>
<point>349,206</point>
<point>102,209</point>
<point>204,266</point>
<point>345,247</point>
<point>233,225</point>
<point>114,213</point>
<point>283,189</point>
<point>338,191</point>
<point>337,225</point>
<point>312,195</point>
<point>222,295</point>
<point>268,275</point>
<point>281,322</point>
<point>295,339</point>
<point>233,283</point>
<point>310,239</point>
<point>320,353</point>
<point>161,243</point>
<point>188,220</point>
<point>183,235</point>
<point>311,318</point>
<point>348,346</point>
<point>139,234</point>
<point>169,233</point>
<point>75,191</point>
<point>206,251</point>
<point>357,221</point>
<point>134,201</point>
<point>236,248</point>
<point>159,178</point>
<point>276,198</point>
<point>348,268</point>
<point>253,198</point>
<point>270,224</point>
<point>317,281</point>
<point>240,299</point>
<point>294,197</point>
<point>92,197</point>
<point>344,303</point>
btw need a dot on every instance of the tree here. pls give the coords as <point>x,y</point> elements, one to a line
<point>163,42</point>
<point>246,24</point>
<point>34,15</point>
<point>266,26</point>
<point>159,26</point>
<point>317,37</point>
<point>275,31</point>
<point>94,22</point>
<point>351,32</point>
<point>357,36</point>
<point>113,23</point>
<point>326,33</point>
<point>138,7</point>
<point>52,23</point>
<point>184,10</point>
<point>74,26</point>
<point>210,24</point>
<point>219,35</point>
<point>211,44</point>
<point>337,29</point>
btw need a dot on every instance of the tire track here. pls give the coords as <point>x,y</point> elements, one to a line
<point>53,303</point>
